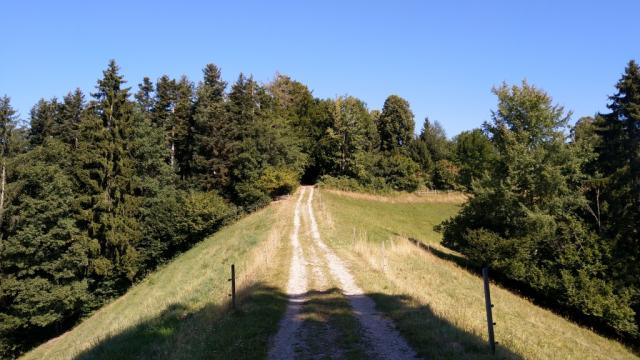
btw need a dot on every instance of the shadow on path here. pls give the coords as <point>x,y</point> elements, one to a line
<point>215,332</point>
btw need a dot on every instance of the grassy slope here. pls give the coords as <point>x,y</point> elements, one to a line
<point>438,306</point>
<point>181,311</point>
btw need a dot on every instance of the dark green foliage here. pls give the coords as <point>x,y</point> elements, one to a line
<point>395,124</point>
<point>45,256</point>
<point>70,116</point>
<point>398,171</point>
<point>212,148</point>
<point>445,175</point>
<point>617,172</point>
<point>45,119</point>
<point>474,154</point>
<point>435,139</point>
<point>524,220</point>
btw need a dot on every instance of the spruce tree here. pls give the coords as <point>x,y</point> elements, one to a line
<point>45,256</point>
<point>162,115</point>
<point>183,128</point>
<point>212,136</point>
<point>72,109</point>
<point>144,96</point>
<point>45,120</point>
<point>619,162</point>
<point>105,171</point>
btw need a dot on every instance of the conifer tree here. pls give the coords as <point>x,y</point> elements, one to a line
<point>70,115</point>
<point>45,120</point>
<point>619,163</point>
<point>212,138</point>
<point>162,115</point>
<point>183,129</point>
<point>45,256</point>
<point>144,96</point>
<point>105,171</point>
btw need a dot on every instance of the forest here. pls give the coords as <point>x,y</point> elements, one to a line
<point>97,190</point>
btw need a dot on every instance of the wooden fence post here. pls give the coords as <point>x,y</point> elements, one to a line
<point>233,287</point>
<point>489,306</point>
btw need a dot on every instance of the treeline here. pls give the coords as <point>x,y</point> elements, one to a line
<point>101,188</point>
<point>558,209</point>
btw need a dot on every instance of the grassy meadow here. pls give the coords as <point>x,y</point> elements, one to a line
<point>438,306</point>
<point>182,310</point>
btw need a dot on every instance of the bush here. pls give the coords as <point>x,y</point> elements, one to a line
<point>399,172</point>
<point>277,181</point>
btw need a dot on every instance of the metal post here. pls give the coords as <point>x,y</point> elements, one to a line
<point>233,286</point>
<point>489,306</point>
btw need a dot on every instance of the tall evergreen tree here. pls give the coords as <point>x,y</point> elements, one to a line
<point>184,128</point>
<point>105,171</point>
<point>212,138</point>
<point>162,114</point>
<point>71,114</point>
<point>144,96</point>
<point>619,163</point>
<point>45,121</point>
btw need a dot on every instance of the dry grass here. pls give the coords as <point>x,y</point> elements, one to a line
<point>418,197</point>
<point>170,314</point>
<point>439,306</point>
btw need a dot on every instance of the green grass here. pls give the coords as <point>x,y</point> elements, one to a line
<point>181,311</point>
<point>436,305</point>
<point>382,219</point>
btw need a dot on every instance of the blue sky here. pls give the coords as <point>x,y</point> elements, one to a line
<point>444,57</point>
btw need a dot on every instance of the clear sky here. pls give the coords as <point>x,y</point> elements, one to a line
<point>442,56</point>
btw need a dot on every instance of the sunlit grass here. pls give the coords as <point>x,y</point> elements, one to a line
<point>438,306</point>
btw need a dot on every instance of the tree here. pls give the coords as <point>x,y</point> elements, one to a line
<point>162,114</point>
<point>183,128</point>
<point>105,172</point>
<point>212,141</point>
<point>395,124</point>
<point>71,114</point>
<point>144,96</point>
<point>8,120</point>
<point>347,140</point>
<point>45,256</point>
<point>524,220</point>
<point>262,142</point>
<point>435,138</point>
<point>473,154</point>
<point>45,121</point>
<point>618,163</point>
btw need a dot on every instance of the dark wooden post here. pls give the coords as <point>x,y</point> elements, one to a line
<point>233,286</point>
<point>489,306</point>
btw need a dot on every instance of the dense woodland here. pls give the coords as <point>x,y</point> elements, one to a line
<point>100,189</point>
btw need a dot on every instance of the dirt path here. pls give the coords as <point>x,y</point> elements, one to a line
<point>284,343</point>
<point>310,328</point>
<point>380,334</point>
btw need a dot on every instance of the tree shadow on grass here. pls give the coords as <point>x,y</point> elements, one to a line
<point>434,337</point>
<point>524,290</point>
<point>210,332</point>
<point>331,330</point>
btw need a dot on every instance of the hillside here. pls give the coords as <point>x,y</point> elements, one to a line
<point>344,260</point>
<point>182,310</point>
